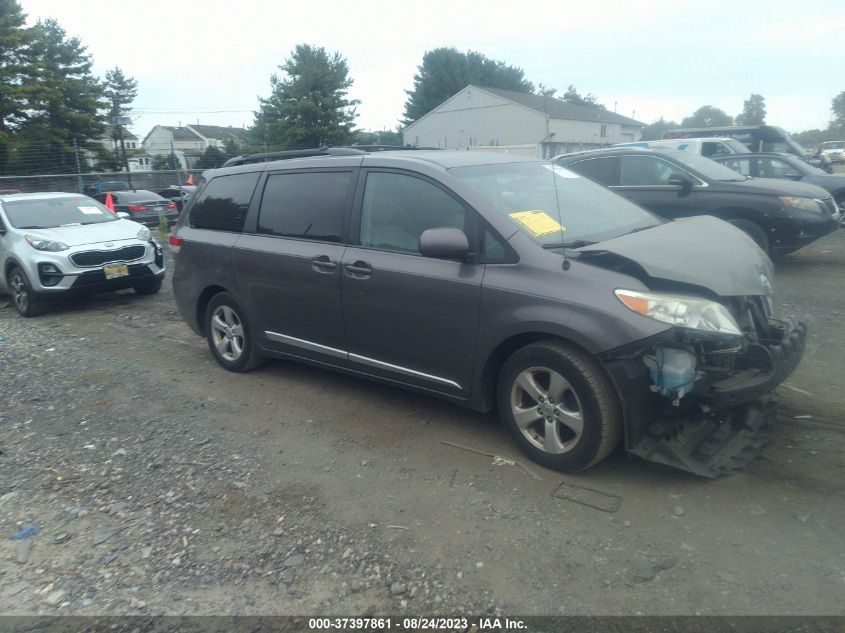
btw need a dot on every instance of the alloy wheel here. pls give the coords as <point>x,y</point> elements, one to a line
<point>547,410</point>
<point>227,332</point>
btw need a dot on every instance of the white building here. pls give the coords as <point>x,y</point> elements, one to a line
<point>189,142</point>
<point>490,118</point>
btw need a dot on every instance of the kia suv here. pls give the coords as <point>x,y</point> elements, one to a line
<point>57,244</point>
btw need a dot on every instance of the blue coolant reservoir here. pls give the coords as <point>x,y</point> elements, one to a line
<point>671,371</point>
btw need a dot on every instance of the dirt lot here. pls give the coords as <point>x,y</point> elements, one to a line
<point>159,483</point>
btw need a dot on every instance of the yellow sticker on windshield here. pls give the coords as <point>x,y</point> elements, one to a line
<point>537,222</point>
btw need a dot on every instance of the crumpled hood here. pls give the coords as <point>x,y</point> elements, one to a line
<point>90,233</point>
<point>702,251</point>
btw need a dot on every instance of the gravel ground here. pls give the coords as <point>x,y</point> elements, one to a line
<point>143,479</point>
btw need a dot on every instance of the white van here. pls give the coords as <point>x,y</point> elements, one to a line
<point>704,146</point>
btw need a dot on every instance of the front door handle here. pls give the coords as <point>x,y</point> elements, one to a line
<point>359,269</point>
<point>323,264</point>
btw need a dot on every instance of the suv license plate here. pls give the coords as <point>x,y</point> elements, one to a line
<point>118,270</point>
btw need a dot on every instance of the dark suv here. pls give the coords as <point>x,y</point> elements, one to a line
<point>780,216</point>
<point>494,281</point>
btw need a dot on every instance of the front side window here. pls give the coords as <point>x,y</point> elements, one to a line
<point>645,171</point>
<point>224,202</point>
<point>396,209</point>
<point>776,168</point>
<point>307,205</point>
<point>604,171</point>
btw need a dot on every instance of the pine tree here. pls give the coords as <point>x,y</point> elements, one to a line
<point>71,101</point>
<point>308,105</point>
<point>17,74</point>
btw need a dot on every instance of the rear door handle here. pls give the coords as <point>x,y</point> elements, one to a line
<point>359,269</point>
<point>323,264</point>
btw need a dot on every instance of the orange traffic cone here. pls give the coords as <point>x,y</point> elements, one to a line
<point>109,202</point>
<point>190,179</point>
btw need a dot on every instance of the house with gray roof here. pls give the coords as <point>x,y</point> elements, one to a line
<point>490,118</point>
<point>190,141</point>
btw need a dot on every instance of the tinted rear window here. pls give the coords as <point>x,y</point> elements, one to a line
<point>134,196</point>
<point>224,202</point>
<point>306,205</point>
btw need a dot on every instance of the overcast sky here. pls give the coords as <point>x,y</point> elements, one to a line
<point>211,60</point>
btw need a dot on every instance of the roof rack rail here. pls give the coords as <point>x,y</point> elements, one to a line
<point>264,157</point>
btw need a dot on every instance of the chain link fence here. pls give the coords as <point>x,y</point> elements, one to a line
<point>86,183</point>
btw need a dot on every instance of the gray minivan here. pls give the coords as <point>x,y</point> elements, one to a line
<point>495,281</point>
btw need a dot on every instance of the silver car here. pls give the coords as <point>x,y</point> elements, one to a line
<point>56,244</point>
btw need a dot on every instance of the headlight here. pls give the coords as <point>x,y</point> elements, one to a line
<point>144,234</point>
<point>805,204</point>
<point>45,245</point>
<point>687,312</point>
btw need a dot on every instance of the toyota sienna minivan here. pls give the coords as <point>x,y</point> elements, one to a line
<point>496,282</point>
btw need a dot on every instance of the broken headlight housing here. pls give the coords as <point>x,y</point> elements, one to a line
<point>693,313</point>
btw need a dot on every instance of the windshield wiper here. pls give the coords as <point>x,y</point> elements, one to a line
<point>35,227</point>
<point>573,244</point>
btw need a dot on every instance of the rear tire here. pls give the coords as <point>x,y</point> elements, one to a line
<point>229,335</point>
<point>755,232</point>
<point>559,406</point>
<point>23,296</point>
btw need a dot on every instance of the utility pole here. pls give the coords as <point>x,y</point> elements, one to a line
<point>119,121</point>
<point>78,168</point>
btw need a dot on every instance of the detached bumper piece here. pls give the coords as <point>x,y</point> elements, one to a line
<point>710,446</point>
<point>724,422</point>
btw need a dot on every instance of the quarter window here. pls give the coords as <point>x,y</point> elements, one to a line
<point>308,205</point>
<point>224,202</point>
<point>397,209</point>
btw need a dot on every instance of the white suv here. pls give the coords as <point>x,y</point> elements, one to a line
<point>55,244</point>
<point>834,150</point>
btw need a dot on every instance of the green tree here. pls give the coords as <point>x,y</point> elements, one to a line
<point>837,106</point>
<point>211,158</point>
<point>753,111</point>
<point>70,99</point>
<point>545,91</point>
<point>446,71</point>
<point>811,138</point>
<point>308,106</point>
<point>654,131</point>
<point>572,96</point>
<point>708,116</point>
<point>121,90</point>
<point>17,75</point>
<point>230,148</point>
<point>165,162</point>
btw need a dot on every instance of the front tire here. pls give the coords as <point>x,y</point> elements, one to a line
<point>229,335</point>
<point>755,232</point>
<point>148,288</point>
<point>559,406</point>
<point>24,298</point>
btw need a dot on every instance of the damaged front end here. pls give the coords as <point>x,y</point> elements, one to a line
<point>699,396</point>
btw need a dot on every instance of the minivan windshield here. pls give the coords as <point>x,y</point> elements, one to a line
<point>50,213</point>
<point>707,168</point>
<point>553,205</point>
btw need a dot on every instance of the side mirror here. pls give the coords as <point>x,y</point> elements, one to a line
<point>445,243</point>
<point>683,182</point>
<point>794,176</point>
<point>122,215</point>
